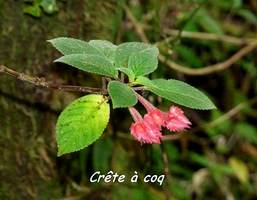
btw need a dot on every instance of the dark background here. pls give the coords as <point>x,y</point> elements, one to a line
<point>216,159</point>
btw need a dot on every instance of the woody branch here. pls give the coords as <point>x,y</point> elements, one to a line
<point>40,81</point>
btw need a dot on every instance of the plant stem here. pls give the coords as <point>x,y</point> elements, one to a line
<point>39,81</point>
<point>43,83</point>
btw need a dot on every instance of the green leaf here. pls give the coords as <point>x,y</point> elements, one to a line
<point>121,95</point>
<point>178,92</point>
<point>128,72</point>
<point>208,23</point>
<point>81,123</point>
<point>73,46</point>
<point>248,16</point>
<point>90,63</point>
<point>125,50</point>
<point>142,80</point>
<point>144,62</point>
<point>105,47</point>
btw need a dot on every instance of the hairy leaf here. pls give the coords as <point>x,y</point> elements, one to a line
<point>128,72</point>
<point>121,95</point>
<point>73,46</point>
<point>144,62</point>
<point>81,123</point>
<point>125,50</point>
<point>90,63</point>
<point>178,92</point>
<point>105,47</point>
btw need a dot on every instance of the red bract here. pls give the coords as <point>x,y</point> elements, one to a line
<point>176,120</point>
<point>142,130</point>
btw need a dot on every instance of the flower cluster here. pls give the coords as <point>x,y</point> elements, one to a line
<point>147,129</point>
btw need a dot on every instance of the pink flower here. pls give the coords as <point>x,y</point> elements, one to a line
<point>176,120</point>
<point>143,130</point>
<point>144,133</point>
<point>147,129</point>
<point>154,118</point>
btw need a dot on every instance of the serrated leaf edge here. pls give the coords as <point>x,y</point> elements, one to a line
<point>60,154</point>
<point>151,84</point>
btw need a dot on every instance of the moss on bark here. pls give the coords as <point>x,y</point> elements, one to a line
<point>27,113</point>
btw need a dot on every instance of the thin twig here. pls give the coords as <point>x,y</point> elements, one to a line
<point>43,83</point>
<point>38,81</point>
<point>208,36</point>
<point>104,83</point>
<point>139,29</point>
<point>176,136</point>
<point>186,70</point>
<point>210,69</point>
<point>228,115</point>
<point>190,17</point>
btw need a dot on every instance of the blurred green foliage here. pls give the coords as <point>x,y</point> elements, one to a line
<point>34,7</point>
